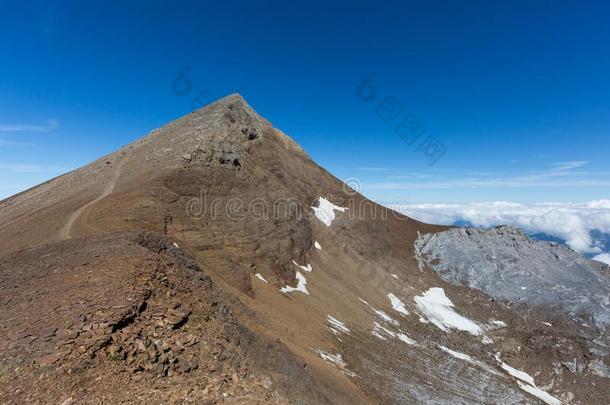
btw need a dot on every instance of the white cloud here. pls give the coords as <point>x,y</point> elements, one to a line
<point>599,204</point>
<point>574,164</point>
<point>572,222</point>
<point>49,125</point>
<point>604,258</point>
<point>560,174</point>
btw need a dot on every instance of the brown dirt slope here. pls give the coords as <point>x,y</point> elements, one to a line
<point>83,318</point>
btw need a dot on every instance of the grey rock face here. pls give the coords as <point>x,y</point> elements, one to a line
<point>506,264</point>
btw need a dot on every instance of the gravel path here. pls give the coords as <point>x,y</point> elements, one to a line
<point>66,231</point>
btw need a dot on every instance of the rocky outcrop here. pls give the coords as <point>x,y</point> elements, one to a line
<point>155,321</point>
<point>506,264</point>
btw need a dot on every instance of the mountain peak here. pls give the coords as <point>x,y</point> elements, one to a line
<point>233,97</point>
<point>233,102</point>
<point>232,110</point>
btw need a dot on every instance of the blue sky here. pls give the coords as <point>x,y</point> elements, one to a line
<point>517,94</point>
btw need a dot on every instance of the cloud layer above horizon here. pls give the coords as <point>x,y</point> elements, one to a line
<point>571,222</point>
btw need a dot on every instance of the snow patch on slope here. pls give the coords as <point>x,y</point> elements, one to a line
<point>337,360</point>
<point>438,309</point>
<point>317,245</point>
<point>301,285</point>
<point>261,278</point>
<point>458,355</point>
<point>325,211</point>
<point>397,304</point>
<point>526,383</point>
<point>385,317</point>
<point>486,340</point>
<point>469,359</point>
<point>304,268</point>
<point>379,331</point>
<point>336,326</point>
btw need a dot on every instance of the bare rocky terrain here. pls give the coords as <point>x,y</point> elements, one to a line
<point>213,261</point>
<point>506,264</point>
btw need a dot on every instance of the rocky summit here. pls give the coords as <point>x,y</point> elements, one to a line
<point>213,261</point>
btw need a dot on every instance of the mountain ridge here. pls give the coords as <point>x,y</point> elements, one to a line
<point>320,289</point>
